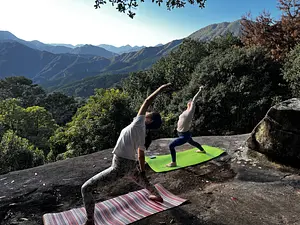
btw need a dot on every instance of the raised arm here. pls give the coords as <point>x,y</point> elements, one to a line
<point>196,96</point>
<point>151,98</point>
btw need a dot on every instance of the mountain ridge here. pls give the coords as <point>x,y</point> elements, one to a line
<point>57,71</point>
<point>55,49</point>
<point>217,29</point>
<point>121,49</point>
<point>92,50</point>
<point>67,48</point>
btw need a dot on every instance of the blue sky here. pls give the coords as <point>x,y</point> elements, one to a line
<point>77,22</point>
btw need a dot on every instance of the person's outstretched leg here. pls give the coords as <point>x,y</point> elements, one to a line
<point>177,142</point>
<point>89,186</point>
<point>117,169</point>
<point>197,145</point>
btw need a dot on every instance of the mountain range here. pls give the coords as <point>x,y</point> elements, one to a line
<point>55,70</point>
<point>68,48</point>
<point>63,66</point>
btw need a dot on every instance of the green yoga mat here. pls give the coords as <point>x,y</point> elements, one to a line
<point>185,158</point>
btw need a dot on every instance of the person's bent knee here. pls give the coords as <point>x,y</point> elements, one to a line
<point>86,188</point>
<point>172,145</point>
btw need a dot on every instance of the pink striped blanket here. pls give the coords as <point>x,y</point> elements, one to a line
<point>124,209</point>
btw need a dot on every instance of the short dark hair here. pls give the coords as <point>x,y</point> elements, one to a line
<point>156,121</point>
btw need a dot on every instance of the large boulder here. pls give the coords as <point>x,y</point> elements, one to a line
<point>278,133</point>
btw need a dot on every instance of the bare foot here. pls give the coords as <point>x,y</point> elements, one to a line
<point>200,151</point>
<point>89,222</point>
<point>171,164</point>
<point>155,198</point>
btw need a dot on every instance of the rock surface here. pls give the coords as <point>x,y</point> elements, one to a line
<point>239,187</point>
<point>278,133</point>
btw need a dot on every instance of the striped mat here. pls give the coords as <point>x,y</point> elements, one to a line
<point>124,209</point>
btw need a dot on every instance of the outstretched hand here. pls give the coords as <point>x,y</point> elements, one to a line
<point>150,99</point>
<point>164,86</point>
<point>198,93</point>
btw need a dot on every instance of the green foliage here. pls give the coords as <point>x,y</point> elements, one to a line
<point>21,88</point>
<point>38,127</point>
<point>28,94</point>
<point>95,126</point>
<point>178,65</point>
<point>291,71</point>
<point>137,85</point>
<point>127,6</point>
<point>86,87</point>
<point>11,115</point>
<point>58,143</point>
<point>168,128</point>
<point>222,43</point>
<point>17,153</point>
<point>34,123</point>
<point>240,85</point>
<point>62,107</point>
<point>176,68</point>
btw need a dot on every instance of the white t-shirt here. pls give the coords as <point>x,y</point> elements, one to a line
<point>131,138</point>
<point>185,119</point>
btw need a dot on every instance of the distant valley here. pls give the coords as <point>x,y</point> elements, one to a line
<point>55,70</point>
<point>63,67</point>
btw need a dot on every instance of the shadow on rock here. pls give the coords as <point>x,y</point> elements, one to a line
<point>183,217</point>
<point>257,175</point>
<point>175,216</point>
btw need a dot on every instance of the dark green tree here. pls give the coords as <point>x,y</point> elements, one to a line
<point>240,86</point>
<point>96,125</point>
<point>62,107</point>
<point>34,123</point>
<point>11,115</point>
<point>38,126</point>
<point>17,153</point>
<point>21,88</point>
<point>291,71</point>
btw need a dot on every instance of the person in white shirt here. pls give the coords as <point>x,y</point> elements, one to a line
<point>183,130</point>
<point>128,150</point>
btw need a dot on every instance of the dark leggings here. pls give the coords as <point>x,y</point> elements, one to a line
<point>183,138</point>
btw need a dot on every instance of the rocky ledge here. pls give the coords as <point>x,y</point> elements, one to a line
<point>240,187</point>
